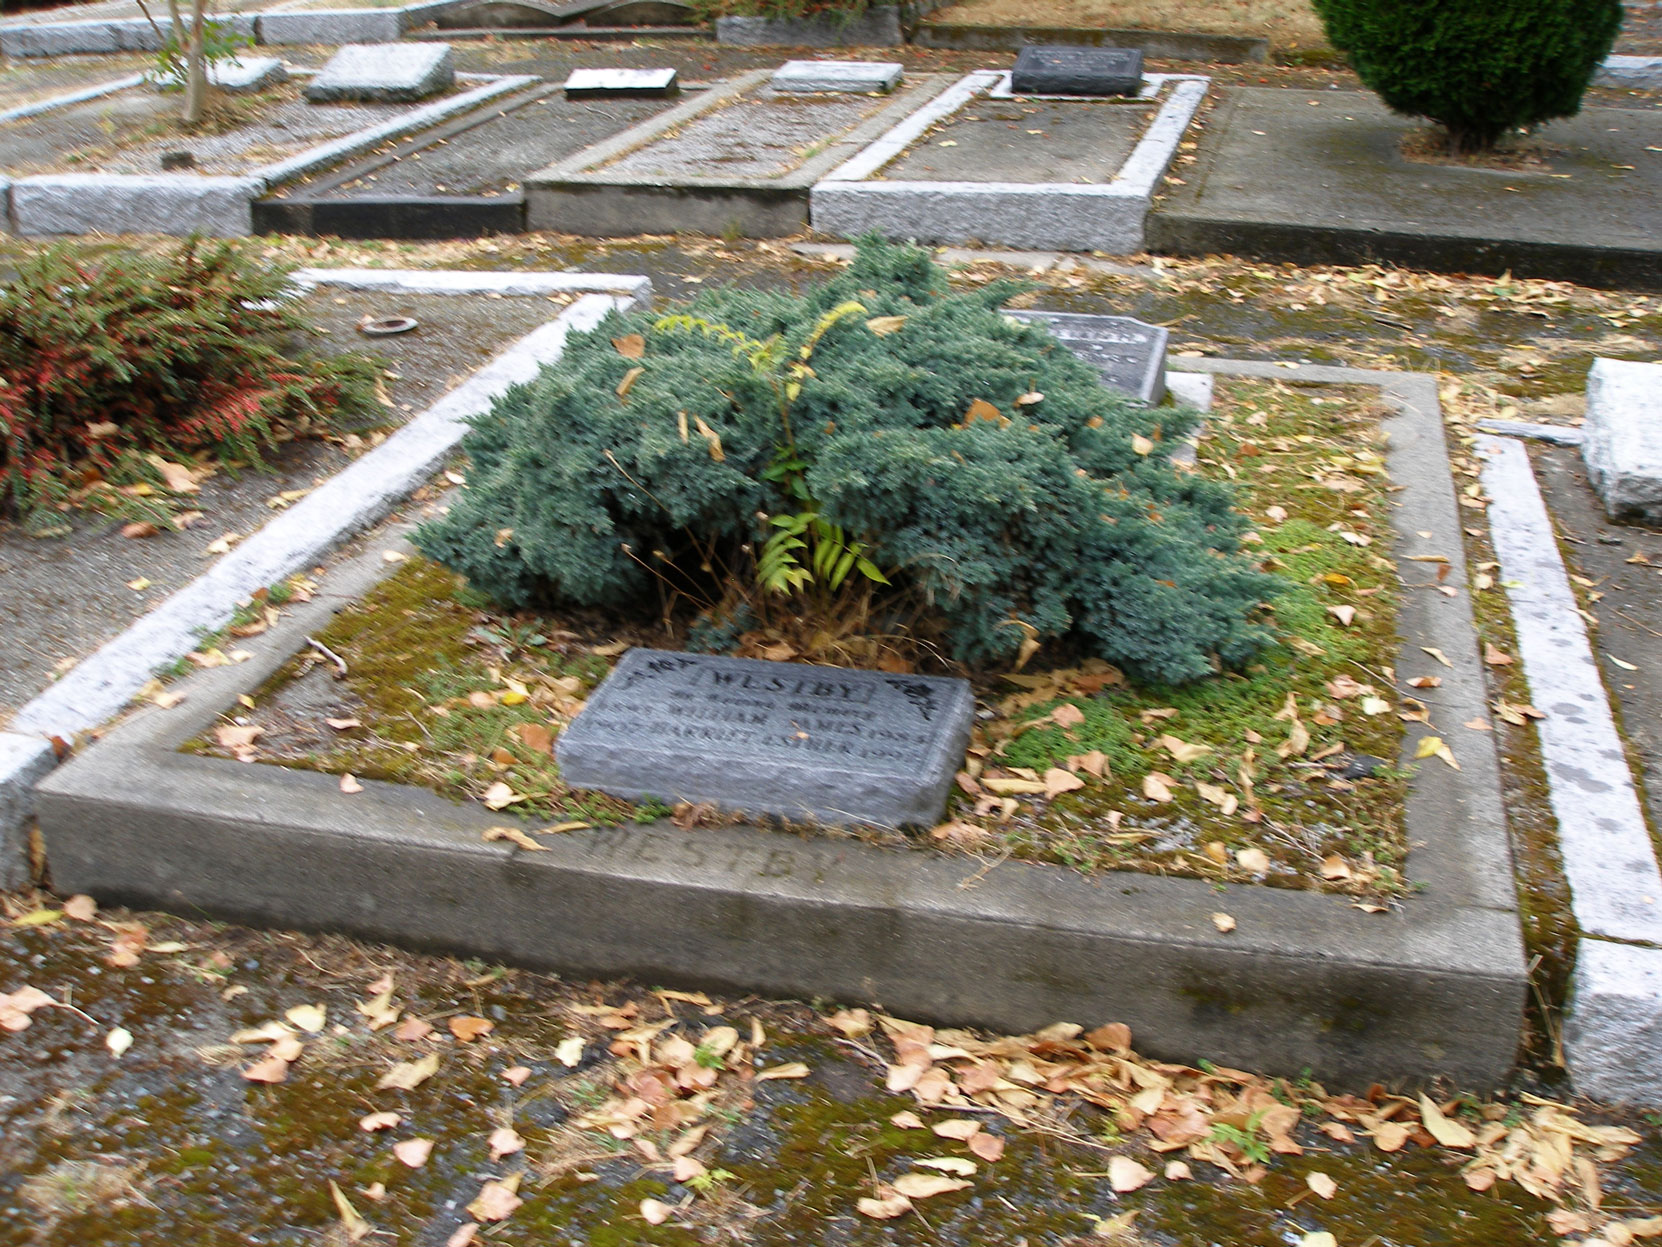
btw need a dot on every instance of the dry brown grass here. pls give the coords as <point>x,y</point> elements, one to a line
<point>1285,23</point>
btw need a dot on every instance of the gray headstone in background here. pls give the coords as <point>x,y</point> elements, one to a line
<point>1621,439</point>
<point>384,73</point>
<point>794,741</point>
<point>1128,354</point>
<point>1077,71</point>
<point>856,77</point>
<point>584,84</point>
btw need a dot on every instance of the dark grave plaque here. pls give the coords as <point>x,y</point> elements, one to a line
<point>1077,71</point>
<point>1126,353</point>
<point>589,84</point>
<point>823,743</point>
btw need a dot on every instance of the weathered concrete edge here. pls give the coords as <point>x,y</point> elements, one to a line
<point>1614,1029</point>
<point>1643,72</point>
<point>461,281</point>
<point>1022,947</point>
<point>100,685</point>
<point>325,154</point>
<point>24,761</point>
<point>73,97</point>
<point>1609,860</point>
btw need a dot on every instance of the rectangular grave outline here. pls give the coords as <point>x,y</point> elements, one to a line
<point>1060,216</point>
<point>1304,979</point>
<point>827,779</point>
<point>580,195</point>
<point>220,205</point>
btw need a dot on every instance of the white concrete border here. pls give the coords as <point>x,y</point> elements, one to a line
<point>61,204</point>
<point>460,281</point>
<point>356,497</point>
<point>73,97</point>
<point>1613,1034</point>
<point>1641,72</point>
<point>1048,215</point>
<point>275,26</point>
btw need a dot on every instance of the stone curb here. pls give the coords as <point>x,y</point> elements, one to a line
<point>298,26</point>
<point>128,34</point>
<point>1609,859</point>
<point>24,762</point>
<point>185,203</point>
<point>103,683</point>
<point>1304,980</point>
<point>1046,215</point>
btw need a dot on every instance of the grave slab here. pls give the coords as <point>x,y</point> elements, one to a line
<point>587,84</point>
<point>384,73</point>
<point>1318,177</point>
<point>243,75</point>
<point>1128,354</point>
<point>1077,71</point>
<point>770,738</point>
<point>851,76</point>
<point>1622,438</point>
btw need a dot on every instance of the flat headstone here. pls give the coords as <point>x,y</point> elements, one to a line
<point>384,73</point>
<point>644,13</point>
<point>587,84</point>
<point>857,77</point>
<point>242,75</point>
<point>794,741</point>
<point>1126,353</point>
<point>1077,71</point>
<point>1621,439</point>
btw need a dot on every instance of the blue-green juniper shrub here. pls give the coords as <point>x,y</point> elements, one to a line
<point>1052,518</point>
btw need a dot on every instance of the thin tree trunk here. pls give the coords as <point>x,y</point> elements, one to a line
<point>196,68</point>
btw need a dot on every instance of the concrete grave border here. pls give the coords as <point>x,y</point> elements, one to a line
<point>55,102</point>
<point>274,26</point>
<point>1306,980</point>
<point>1613,1034</point>
<point>103,683</point>
<point>579,195</point>
<point>1047,215</point>
<point>59,204</point>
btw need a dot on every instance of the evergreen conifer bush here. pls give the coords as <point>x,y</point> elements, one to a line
<point>879,438</point>
<point>105,362</point>
<point>1477,67</point>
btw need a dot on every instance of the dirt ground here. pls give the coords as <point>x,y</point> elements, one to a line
<point>62,597</point>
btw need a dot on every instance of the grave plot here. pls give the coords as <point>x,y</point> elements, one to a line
<point>982,165</point>
<point>118,163</point>
<point>1425,977</point>
<point>34,83</point>
<point>460,179</point>
<point>68,591</point>
<point>741,158</point>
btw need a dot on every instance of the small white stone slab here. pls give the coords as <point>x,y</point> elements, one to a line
<point>245,74</point>
<point>1622,437</point>
<point>384,73</point>
<point>650,83</point>
<point>853,77</point>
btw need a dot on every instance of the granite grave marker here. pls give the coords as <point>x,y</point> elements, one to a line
<point>1128,354</point>
<point>1077,71</point>
<point>653,84</point>
<point>384,73</point>
<point>785,739</point>
<point>851,76</point>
